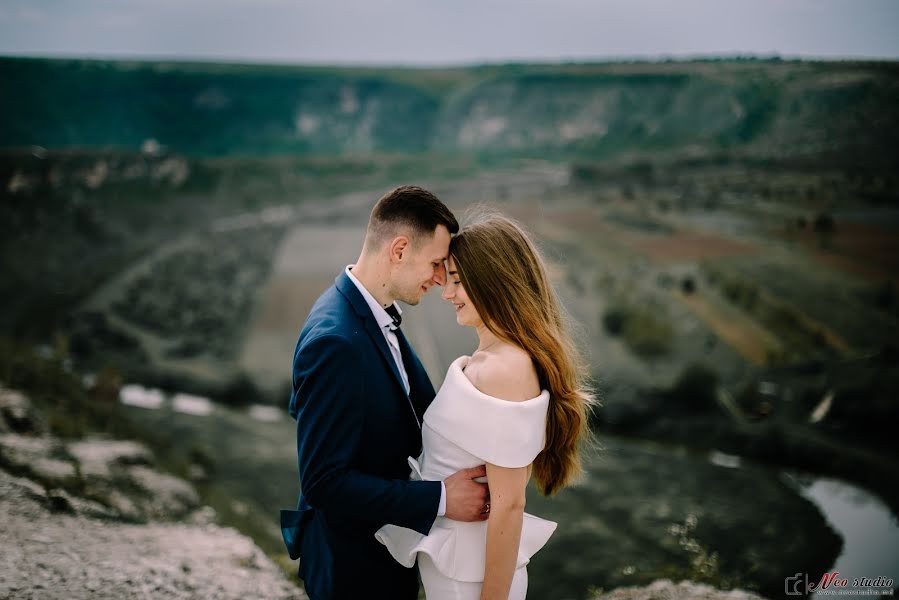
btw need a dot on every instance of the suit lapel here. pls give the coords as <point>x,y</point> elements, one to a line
<point>421,392</point>
<point>409,360</point>
<point>351,293</point>
<point>371,326</point>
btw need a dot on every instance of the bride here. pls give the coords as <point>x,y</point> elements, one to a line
<point>518,404</point>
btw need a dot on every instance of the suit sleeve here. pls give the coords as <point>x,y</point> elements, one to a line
<point>328,403</point>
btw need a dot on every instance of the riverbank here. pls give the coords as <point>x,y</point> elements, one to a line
<point>832,419</point>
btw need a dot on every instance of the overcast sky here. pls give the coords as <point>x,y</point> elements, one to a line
<point>447,31</point>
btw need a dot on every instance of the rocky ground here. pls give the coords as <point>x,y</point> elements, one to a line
<point>665,589</point>
<point>93,518</point>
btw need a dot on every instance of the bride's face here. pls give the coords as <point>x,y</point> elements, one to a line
<point>455,293</point>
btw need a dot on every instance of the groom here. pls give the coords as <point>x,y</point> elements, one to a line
<point>359,394</point>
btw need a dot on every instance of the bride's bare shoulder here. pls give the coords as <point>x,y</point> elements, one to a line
<point>508,373</point>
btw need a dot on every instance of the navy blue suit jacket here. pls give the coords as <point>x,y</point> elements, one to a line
<point>355,429</point>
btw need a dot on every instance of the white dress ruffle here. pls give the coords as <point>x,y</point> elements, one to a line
<point>464,428</point>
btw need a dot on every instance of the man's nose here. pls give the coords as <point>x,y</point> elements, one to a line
<point>440,275</point>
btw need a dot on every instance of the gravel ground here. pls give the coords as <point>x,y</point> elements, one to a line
<point>47,555</point>
<point>665,589</point>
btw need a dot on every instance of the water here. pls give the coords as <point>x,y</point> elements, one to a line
<point>138,395</point>
<point>199,406</point>
<point>869,530</point>
<point>192,405</point>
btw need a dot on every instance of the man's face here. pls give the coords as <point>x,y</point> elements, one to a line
<point>422,267</point>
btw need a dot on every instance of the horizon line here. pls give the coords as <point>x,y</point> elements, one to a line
<point>560,61</point>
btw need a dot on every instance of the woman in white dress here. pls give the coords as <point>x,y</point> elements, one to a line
<point>518,404</point>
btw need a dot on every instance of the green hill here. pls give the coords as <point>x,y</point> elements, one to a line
<point>769,108</point>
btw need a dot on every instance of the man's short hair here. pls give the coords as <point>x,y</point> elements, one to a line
<point>407,207</point>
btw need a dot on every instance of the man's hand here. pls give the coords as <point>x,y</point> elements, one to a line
<point>466,499</point>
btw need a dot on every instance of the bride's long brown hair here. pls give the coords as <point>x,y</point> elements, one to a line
<point>505,278</point>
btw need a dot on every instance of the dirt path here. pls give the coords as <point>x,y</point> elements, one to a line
<point>309,259</point>
<point>737,329</point>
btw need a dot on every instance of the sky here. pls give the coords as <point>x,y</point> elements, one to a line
<point>443,32</point>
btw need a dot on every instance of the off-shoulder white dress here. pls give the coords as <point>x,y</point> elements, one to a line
<point>464,428</point>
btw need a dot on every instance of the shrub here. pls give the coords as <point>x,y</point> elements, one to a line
<point>613,321</point>
<point>823,223</point>
<point>72,411</point>
<point>644,331</point>
<point>695,389</point>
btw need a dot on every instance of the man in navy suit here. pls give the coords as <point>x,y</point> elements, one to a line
<point>359,394</point>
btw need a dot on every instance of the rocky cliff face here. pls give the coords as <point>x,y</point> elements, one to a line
<point>765,107</point>
<point>93,518</point>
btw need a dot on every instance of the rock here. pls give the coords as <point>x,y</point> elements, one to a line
<point>40,457</point>
<point>98,458</point>
<point>23,487</point>
<point>18,449</point>
<point>205,515</point>
<point>58,556</point>
<point>168,496</point>
<point>52,470</point>
<point>124,505</point>
<point>665,589</point>
<point>62,501</point>
<point>61,539</point>
<point>17,413</point>
<point>117,473</point>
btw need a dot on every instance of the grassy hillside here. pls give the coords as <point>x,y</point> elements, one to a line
<point>762,107</point>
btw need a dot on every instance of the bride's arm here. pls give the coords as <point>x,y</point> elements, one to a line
<point>507,487</point>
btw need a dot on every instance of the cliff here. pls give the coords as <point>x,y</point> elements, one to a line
<point>93,518</point>
<point>760,107</point>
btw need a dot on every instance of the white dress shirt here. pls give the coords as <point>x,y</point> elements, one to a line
<point>385,321</point>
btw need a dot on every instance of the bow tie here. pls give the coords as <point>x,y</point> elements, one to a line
<point>395,315</point>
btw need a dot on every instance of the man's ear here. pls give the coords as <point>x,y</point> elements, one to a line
<point>399,247</point>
